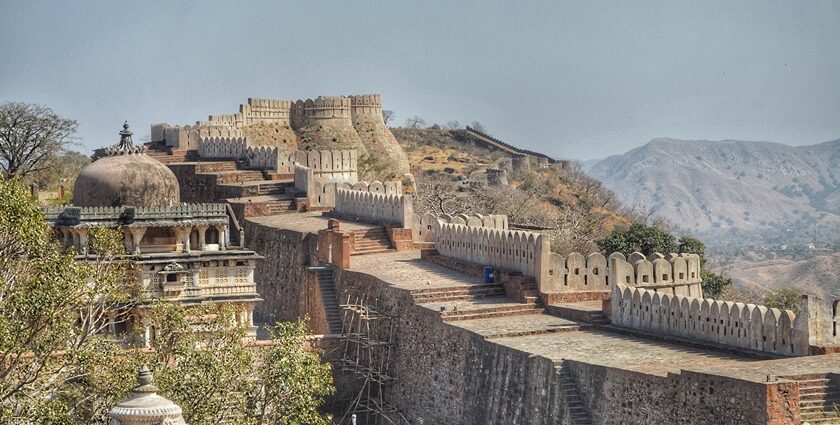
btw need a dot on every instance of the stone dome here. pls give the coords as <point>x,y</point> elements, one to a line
<point>126,176</point>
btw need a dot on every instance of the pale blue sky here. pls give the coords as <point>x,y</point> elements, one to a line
<point>577,79</point>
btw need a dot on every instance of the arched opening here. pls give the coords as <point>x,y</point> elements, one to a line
<point>212,236</point>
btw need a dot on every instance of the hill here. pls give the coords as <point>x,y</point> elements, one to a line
<point>752,192</point>
<point>554,197</point>
<point>819,275</point>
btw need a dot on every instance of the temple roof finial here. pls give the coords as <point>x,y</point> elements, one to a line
<point>125,137</point>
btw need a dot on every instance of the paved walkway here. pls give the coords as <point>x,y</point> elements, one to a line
<point>588,344</point>
<point>310,222</point>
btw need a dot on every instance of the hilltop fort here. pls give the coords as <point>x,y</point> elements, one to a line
<point>460,319</point>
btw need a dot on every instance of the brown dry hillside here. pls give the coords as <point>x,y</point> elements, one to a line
<point>818,275</point>
<point>577,208</point>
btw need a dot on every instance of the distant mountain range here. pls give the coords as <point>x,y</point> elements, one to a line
<point>711,188</point>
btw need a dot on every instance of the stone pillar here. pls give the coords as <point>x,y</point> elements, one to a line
<point>128,244</point>
<point>66,238</point>
<point>202,237</point>
<point>136,236</point>
<point>83,241</point>
<point>222,229</point>
<point>185,238</point>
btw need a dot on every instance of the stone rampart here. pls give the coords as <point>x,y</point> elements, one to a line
<point>749,326</point>
<point>679,272</point>
<point>506,249</point>
<point>270,111</point>
<point>377,207</point>
<point>222,148</point>
<point>305,180</point>
<point>327,110</point>
<point>424,226</point>
<point>175,136</point>
<point>366,108</point>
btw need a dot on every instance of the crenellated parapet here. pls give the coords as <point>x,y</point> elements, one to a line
<point>366,108</point>
<point>510,250</point>
<point>325,192</point>
<point>270,111</point>
<point>375,207</point>
<point>678,274</point>
<point>222,147</point>
<point>327,111</point>
<point>425,225</point>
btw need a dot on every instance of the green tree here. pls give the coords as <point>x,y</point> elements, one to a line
<point>691,245</point>
<point>58,365</point>
<point>714,283</point>
<point>638,237</point>
<point>53,308</point>
<point>788,298</point>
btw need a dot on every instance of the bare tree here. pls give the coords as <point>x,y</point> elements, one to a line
<point>478,127</point>
<point>415,122</point>
<point>453,125</point>
<point>388,115</point>
<point>31,135</point>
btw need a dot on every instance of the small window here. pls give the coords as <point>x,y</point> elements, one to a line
<point>595,271</point>
<point>577,271</point>
<point>664,277</point>
<point>172,277</point>
<point>645,278</point>
<point>682,276</point>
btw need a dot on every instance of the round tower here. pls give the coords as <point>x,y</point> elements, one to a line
<point>326,124</point>
<point>366,113</point>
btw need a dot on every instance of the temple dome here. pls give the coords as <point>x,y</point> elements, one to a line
<point>126,176</point>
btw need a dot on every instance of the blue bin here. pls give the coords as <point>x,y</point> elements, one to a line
<point>489,275</point>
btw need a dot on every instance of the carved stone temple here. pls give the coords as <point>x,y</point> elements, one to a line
<point>192,253</point>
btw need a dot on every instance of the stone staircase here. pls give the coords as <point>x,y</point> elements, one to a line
<point>457,293</point>
<point>819,399</point>
<point>482,308</point>
<point>370,241</point>
<point>326,284</point>
<point>573,399</point>
<point>281,206</point>
<point>168,155</point>
<point>239,176</point>
<point>582,311</point>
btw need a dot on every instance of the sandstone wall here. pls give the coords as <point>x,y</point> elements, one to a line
<point>616,396</point>
<point>290,290</point>
<point>448,375</point>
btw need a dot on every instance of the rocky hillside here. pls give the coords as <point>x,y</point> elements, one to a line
<point>714,188</point>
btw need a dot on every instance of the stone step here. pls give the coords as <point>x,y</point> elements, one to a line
<point>490,312</point>
<point>463,294</point>
<point>821,395</point>
<point>457,289</point>
<point>370,251</point>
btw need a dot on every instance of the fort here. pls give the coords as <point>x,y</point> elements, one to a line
<point>460,319</point>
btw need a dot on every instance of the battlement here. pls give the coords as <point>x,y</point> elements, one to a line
<point>271,111</point>
<point>327,109</point>
<point>366,108</point>
<point>377,207</point>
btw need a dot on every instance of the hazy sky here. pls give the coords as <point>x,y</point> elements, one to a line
<point>580,79</point>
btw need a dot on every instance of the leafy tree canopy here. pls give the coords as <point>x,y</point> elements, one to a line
<point>788,298</point>
<point>638,237</point>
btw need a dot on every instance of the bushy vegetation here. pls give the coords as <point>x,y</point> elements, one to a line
<point>59,365</point>
<point>789,298</point>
